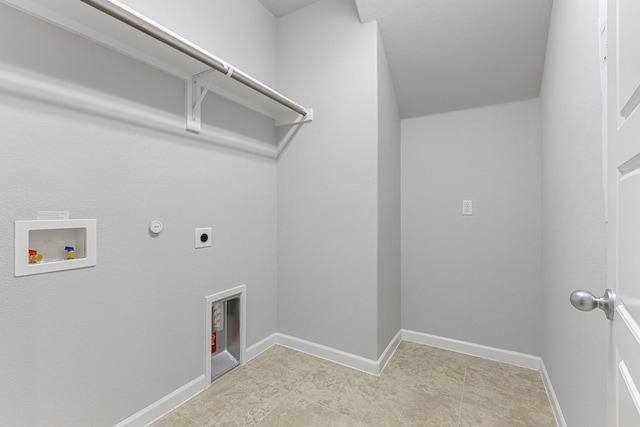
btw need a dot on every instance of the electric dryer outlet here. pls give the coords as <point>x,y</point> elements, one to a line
<point>203,238</point>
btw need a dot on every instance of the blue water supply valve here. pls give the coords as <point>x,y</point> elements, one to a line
<point>71,252</point>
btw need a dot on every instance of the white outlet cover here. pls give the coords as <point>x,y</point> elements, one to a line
<point>203,238</point>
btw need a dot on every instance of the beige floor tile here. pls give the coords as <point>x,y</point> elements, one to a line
<point>344,390</point>
<point>421,386</point>
<point>404,406</point>
<point>504,371</point>
<point>237,399</point>
<point>296,411</point>
<point>282,367</point>
<point>173,419</point>
<point>514,381</point>
<point>428,369</point>
<point>476,416</point>
<point>510,392</point>
<point>436,356</point>
<point>536,417</point>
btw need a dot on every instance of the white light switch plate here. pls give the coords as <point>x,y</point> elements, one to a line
<point>467,207</point>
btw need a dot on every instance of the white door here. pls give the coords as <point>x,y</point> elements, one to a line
<point>623,124</point>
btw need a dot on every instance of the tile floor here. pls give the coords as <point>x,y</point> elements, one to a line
<point>420,386</point>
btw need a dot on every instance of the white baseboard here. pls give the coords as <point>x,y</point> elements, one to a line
<point>337,356</point>
<point>506,356</point>
<point>555,404</point>
<point>261,346</point>
<point>360,363</point>
<point>163,406</point>
<point>388,352</point>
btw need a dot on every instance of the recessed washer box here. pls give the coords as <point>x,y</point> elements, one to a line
<point>61,244</point>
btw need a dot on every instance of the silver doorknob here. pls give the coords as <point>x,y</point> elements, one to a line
<point>586,301</point>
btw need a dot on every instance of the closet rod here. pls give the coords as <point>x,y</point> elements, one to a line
<point>141,23</point>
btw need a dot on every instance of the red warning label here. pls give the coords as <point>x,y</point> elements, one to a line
<point>213,342</point>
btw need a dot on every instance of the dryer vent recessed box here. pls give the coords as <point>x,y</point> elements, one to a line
<point>45,246</point>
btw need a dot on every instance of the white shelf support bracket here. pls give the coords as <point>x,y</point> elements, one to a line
<point>196,92</point>
<point>194,101</point>
<point>200,84</point>
<point>291,118</point>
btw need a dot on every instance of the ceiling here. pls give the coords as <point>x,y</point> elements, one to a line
<point>284,7</point>
<point>448,55</point>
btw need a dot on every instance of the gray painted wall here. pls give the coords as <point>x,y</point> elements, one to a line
<point>389,247</point>
<point>242,33</point>
<point>327,180</point>
<point>138,313</point>
<point>94,346</point>
<point>574,232</point>
<point>473,278</point>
